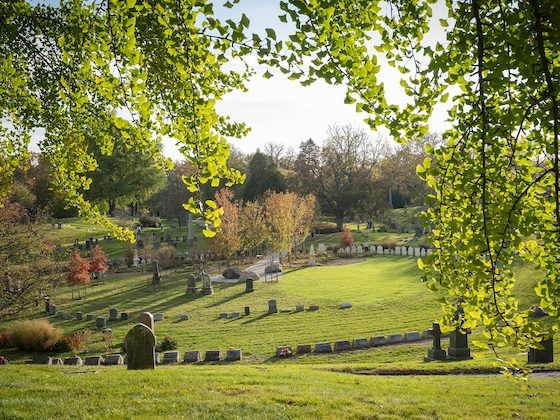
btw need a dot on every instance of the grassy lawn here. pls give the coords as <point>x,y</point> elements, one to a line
<point>264,391</point>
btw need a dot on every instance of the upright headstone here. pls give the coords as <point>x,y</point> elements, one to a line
<point>47,301</point>
<point>247,311</point>
<point>207,284</point>
<point>359,249</point>
<point>347,250</point>
<point>124,316</point>
<point>136,258</point>
<point>410,251</point>
<point>156,277</point>
<point>272,309</point>
<point>147,319</point>
<point>79,316</point>
<point>249,285</point>
<point>113,314</point>
<point>140,345</point>
<point>321,249</point>
<point>312,260</point>
<point>417,251</point>
<point>100,323</point>
<point>458,346</point>
<point>379,250</point>
<point>397,250</point>
<point>436,352</point>
<point>52,309</point>
<point>190,228</point>
<point>353,249</point>
<point>422,252</point>
<point>544,355</point>
<point>191,284</point>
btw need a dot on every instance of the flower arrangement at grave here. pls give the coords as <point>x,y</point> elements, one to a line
<point>286,352</point>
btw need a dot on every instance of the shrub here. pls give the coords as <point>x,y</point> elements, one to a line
<point>74,343</point>
<point>345,237</point>
<point>129,256</point>
<point>168,343</point>
<point>149,221</point>
<point>167,256</point>
<point>34,335</point>
<point>389,244</point>
<point>5,339</point>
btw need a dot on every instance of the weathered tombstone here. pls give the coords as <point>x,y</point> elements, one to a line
<point>282,351</point>
<point>272,309</point>
<point>313,308</point>
<point>207,284</point>
<point>544,355</point>
<point>59,225</point>
<point>124,316</point>
<point>412,336</point>
<point>321,249</point>
<point>191,284</point>
<point>52,309</point>
<point>377,341</point>
<point>113,314</point>
<point>303,349</point>
<point>300,308</point>
<point>422,252</point>
<point>436,352</point>
<point>312,262</point>
<point>323,348</point>
<point>347,250</point>
<point>458,346</point>
<point>170,357</point>
<point>359,249</point>
<point>159,316</point>
<point>386,251</point>
<point>410,251</point>
<point>249,285</point>
<point>56,361</point>
<point>147,319</point>
<point>213,356</point>
<point>191,357</point>
<point>47,301</point>
<point>233,355</point>
<point>395,338</point>
<point>136,258</point>
<point>114,360</point>
<point>140,344</point>
<point>379,250</point>
<point>235,315</point>
<point>346,305</point>
<point>94,361</point>
<point>247,311</point>
<point>100,323</point>
<point>156,277</point>
<point>342,346</point>
<point>183,317</point>
<point>79,316</point>
<point>89,317</point>
<point>73,361</point>
<point>41,359</point>
<point>360,343</point>
<point>353,249</point>
<point>223,315</point>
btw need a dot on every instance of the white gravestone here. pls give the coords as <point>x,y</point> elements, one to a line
<point>136,259</point>
<point>397,250</point>
<point>359,249</point>
<point>417,252</point>
<point>410,251</point>
<point>379,250</point>
<point>321,249</point>
<point>312,262</point>
<point>422,252</point>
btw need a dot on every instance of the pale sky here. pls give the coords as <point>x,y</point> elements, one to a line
<point>282,111</point>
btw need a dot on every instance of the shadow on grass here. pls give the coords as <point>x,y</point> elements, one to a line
<point>226,300</point>
<point>258,318</point>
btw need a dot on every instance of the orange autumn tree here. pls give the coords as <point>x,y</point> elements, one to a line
<point>98,262</point>
<point>345,237</point>
<point>228,241</point>
<point>78,272</point>
<point>254,230</point>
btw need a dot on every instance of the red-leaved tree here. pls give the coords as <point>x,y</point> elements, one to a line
<point>98,262</point>
<point>78,272</point>
<point>345,237</point>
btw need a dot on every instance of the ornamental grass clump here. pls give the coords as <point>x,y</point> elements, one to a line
<point>34,335</point>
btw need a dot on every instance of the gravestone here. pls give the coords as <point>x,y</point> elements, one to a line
<point>73,361</point>
<point>113,314</point>
<point>213,356</point>
<point>312,262</point>
<point>65,315</point>
<point>303,348</point>
<point>321,249</point>
<point>147,319</point>
<point>397,250</point>
<point>458,346</point>
<point>233,355</point>
<point>386,251</point>
<point>342,346</point>
<point>57,361</point>
<point>207,284</point>
<point>422,252</point>
<point>183,317</point>
<point>124,316</point>
<point>283,351</point>
<point>410,251</point>
<point>353,249</point>
<point>170,357</point>
<point>247,311</point>
<point>41,359</point>
<point>272,309</point>
<point>59,225</point>
<point>191,284</point>
<point>79,316</point>
<point>89,317</point>
<point>100,323</point>
<point>94,361</point>
<point>191,357</point>
<point>436,352</point>
<point>300,308</point>
<point>223,315</point>
<point>313,308</point>
<point>416,251</point>
<point>323,348</point>
<point>136,259</point>
<point>359,249</point>
<point>379,250</point>
<point>140,344</point>
<point>158,316</point>
<point>346,305</point>
<point>412,336</point>
<point>377,341</point>
<point>360,343</point>
<point>114,360</point>
<point>544,355</point>
<point>249,285</point>
<point>47,301</point>
<point>52,309</point>
<point>235,315</point>
<point>347,250</point>
<point>156,276</point>
<point>395,338</point>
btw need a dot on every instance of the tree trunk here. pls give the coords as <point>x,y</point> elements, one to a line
<point>112,208</point>
<point>339,223</point>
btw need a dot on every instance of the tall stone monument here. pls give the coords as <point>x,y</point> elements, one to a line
<point>206,284</point>
<point>312,260</point>
<point>436,352</point>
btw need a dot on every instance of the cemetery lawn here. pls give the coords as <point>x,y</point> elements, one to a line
<point>265,391</point>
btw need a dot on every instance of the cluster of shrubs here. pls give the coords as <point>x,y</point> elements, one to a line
<point>39,335</point>
<point>149,221</point>
<point>167,344</point>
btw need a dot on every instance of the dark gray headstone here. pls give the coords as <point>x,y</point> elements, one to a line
<point>158,316</point>
<point>113,314</point>
<point>544,355</point>
<point>303,348</point>
<point>345,305</point>
<point>124,316</point>
<point>412,336</point>
<point>41,359</point>
<point>360,343</point>
<point>79,316</point>
<point>183,317</point>
<point>342,346</point>
<point>73,361</point>
<point>436,352</point>
<point>235,315</point>
<point>213,356</point>
<point>94,361</point>
<point>89,317</point>
<point>65,315</point>
<point>170,357</point>
<point>114,360</point>
<point>191,357</point>
<point>249,287</point>
<point>377,341</point>
<point>395,339</point>
<point>140,347</point>
<point>100,323</point>
<point>323,348</point>
<point>272,309</point>
<point>147,319</point>
<point>247,311</point>
<point>300,308</point>
<point>223,315</point>
<point>56,361</point>
<point>313,308</point>
<point>233,355</point>
<point>458,346</point>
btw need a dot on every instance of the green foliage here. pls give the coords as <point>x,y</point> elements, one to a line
<point>149,221</point>
<point>262,176</point>
<point>168,343</point>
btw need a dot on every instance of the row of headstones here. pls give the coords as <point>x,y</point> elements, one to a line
<point>358,343</point>
<point>273,308</point>
<point>379,250</point>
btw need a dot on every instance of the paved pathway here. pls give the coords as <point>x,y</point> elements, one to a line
<point>258,268</point>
